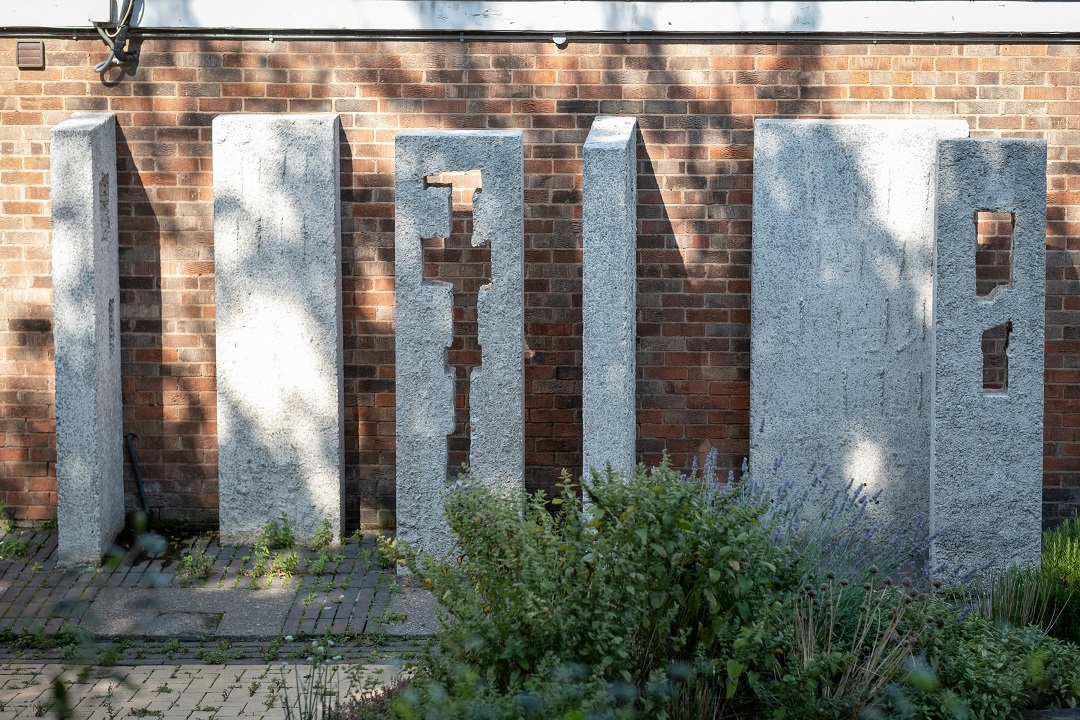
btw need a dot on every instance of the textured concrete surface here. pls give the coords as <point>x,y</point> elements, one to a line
<point>192,612</point>
<point>277,255</point>
<point>175,691</point>
<point>986,472</point>
<point>609,294</point>
<point>424,324</point>
<point>841,277</point>
<point>86,332</point>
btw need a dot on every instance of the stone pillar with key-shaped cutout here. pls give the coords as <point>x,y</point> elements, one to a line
<point>423,313</point>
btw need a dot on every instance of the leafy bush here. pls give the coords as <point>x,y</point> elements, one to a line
<point>969,667</point>
<point>675,596</point>
<point>656,574</point>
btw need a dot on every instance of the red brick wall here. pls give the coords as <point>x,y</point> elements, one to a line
<point>696,104</point>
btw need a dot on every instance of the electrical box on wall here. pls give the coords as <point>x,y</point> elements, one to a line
<point>102,12</point>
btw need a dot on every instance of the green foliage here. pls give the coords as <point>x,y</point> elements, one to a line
<point>275,553</point>
<point>6,525</point>
<point>277,535</point>
<point>656,579</point>
<point>677,597</point>
<point>324,536</point>
<point>976,669</point>
<point>1016,597</point>
<point>14,549</point>
<point>1061,575</point>
<point>218,654</point>
<point>194,563</point>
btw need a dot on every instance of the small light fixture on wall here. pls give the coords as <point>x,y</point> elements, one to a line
<point>30,54</point>
<point>559,39</point>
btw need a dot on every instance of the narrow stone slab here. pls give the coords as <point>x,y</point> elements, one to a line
<point>987,451</point>
<point>842,287</point>
<point>609,295</point>
<point>424,324</point>
<point>86,332</point>
<point>277,255</point>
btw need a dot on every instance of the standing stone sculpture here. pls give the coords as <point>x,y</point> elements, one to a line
<point>840,328</point>
<point>277,255</point>
<point>987,444</point>
<point>86,333</point>
<point>609,295</point>
<point>424,324</point>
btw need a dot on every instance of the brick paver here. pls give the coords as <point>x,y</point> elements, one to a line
<point>40,604</point>
<point>171,692</point>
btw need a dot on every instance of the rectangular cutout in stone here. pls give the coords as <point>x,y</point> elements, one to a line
<point>277,255</point>
<point>993,251</point>
<point>467,267</point>
<point>986,447</point>
<point>424,323</point>
<point>86,283</point>
<point>995,345</point>
<point>842,282</point>
<point>609,294</point>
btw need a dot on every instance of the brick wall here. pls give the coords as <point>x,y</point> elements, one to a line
<point>696,104</point>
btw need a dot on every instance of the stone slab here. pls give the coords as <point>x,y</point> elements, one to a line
<point>277,255</point>
<point>609,295</point>
<point>239,613</point>
<point>424,324</point>
<point>86,333</point>
<point>987,445</point>
<point>411,613</point>
<point>841,278</point>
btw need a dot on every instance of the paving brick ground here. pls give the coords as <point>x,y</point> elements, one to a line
<point>346,592</point>
<point>171,692</point>
<point>172,654</point>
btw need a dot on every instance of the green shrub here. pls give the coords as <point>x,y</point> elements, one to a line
<point>1061,574</point>
<point>655,574</point>
<point>971,668</point>
<point>680,597</point>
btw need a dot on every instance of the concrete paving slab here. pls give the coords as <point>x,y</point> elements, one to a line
<point>239,613</point>
<point>411,613</point>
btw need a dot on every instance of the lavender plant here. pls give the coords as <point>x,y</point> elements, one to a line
<point>831,522</point>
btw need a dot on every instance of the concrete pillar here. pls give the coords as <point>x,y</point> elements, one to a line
<point>424,324</point>
<point>840,321</point>
<point>277,255</point>
<point>987,451</point>
<point>86,332</point>
<point>609,294</point>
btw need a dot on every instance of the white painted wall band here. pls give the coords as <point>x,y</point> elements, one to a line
<point>1006,17</point>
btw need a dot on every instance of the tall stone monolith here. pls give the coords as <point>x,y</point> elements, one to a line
<point>423,313</point>
<point>86,332</point>
<point>841,300</point>
<point>277,255</point>
<point>609,295</point>
<point>987,443</point>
